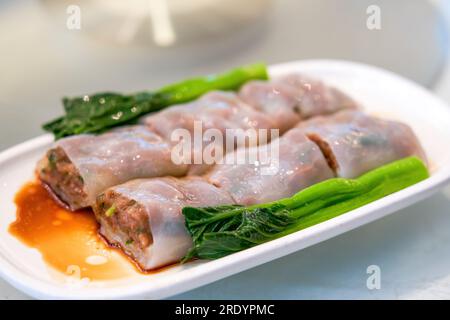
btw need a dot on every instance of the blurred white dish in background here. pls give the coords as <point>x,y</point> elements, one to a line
<point>161,22</point>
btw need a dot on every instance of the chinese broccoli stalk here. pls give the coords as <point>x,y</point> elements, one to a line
<point>219,231</point>
<point>99,112</point>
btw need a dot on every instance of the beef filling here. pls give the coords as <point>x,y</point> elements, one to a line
<point>126,215</point>
<point>62,176</point>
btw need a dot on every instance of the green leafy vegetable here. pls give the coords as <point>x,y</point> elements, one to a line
<point>99,112</point>
<point>219,231</point>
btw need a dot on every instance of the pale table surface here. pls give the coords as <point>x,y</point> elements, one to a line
<point>41,62</point>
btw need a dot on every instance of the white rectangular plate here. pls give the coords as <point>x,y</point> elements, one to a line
<point>380,92</point>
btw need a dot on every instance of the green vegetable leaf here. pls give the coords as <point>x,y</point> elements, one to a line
<point>219,231</point>
<point>102,111</point>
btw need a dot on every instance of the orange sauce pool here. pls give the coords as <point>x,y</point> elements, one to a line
<point>68,241</point>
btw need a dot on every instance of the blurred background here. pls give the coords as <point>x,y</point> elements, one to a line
<point>55,48</point>
<point>142,44</point>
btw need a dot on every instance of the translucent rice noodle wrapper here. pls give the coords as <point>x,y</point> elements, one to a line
<point>274,175</point>
<point>291,98</point>
<point>355,142</point>
<point>315,97</point>
<point>216,114</point>
<point>146,219</point>
<point>78,168</point>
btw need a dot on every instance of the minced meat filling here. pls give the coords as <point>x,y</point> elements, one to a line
<point>128,216</point>
<point>62,176</point>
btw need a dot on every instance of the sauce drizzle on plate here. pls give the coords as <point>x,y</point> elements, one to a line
<point>68,241</point>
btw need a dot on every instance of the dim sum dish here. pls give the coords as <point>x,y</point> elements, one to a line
<point>118,205</point>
